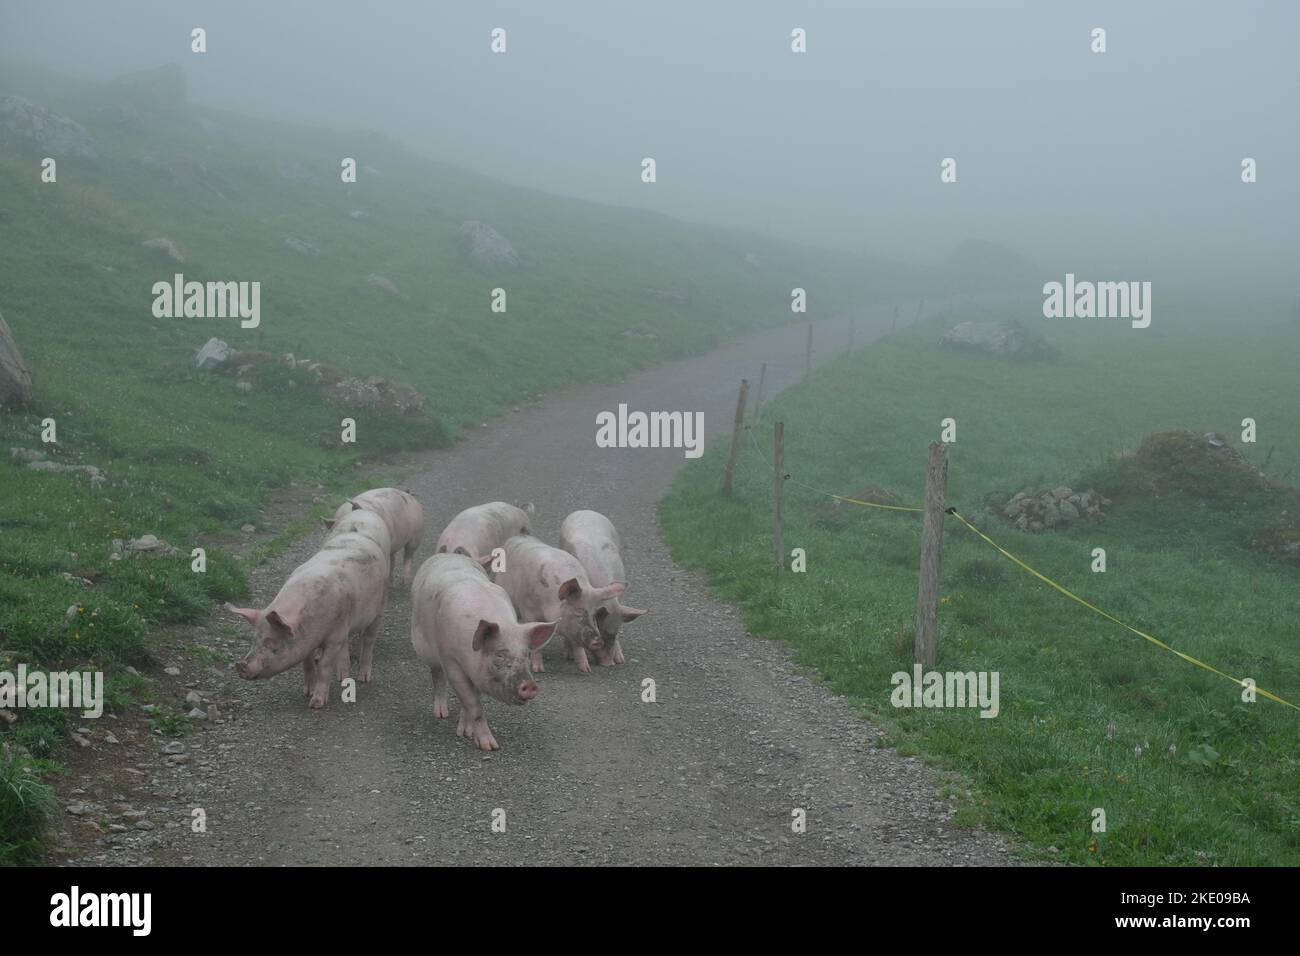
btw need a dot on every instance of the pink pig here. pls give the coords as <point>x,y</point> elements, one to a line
<point>546,583</point>
<point>592,538</point>
<point>478,530</point>
<point>338,591</point>
<point>401,513</point>
<point>464,627</point>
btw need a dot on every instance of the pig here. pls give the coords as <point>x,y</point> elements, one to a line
<point>401,513</point>
<point>546,583</point>
<point>592,538</point>
<point>478,530</point>
<point>464,627</point>
<point>338,591</point>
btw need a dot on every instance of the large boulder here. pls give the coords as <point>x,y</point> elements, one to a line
<point>1008,339</point>
<point>214,355</point>
<point>15,377</point>
<point>487,246</point>
<point>26,124</point>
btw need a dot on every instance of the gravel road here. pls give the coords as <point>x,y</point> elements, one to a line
<point>587,773</point>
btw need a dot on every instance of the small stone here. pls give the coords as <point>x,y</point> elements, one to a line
<point>194,699</point>
<point>248,528</point>
<point>110,739</point>
<point>173,747</point>
<point>172,671</point>
<point>143,825</point>
<point>197,714</point>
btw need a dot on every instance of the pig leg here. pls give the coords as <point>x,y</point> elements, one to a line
<point>580,655</point>
<point>472,725</point>
<point>408,561</point>
<point>440,707</point>
<point>343,662</point>
<point>309,674</point>
<point>325,668</point>
<point>536,663</point>
<point>618,652</point>
<point>366,661</point>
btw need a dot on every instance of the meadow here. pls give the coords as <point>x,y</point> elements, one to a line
<point>1092,716</point>
<point>191,459</point>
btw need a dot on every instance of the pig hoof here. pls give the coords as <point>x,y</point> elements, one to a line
<point>316,703</point>
<point>365,676</point>
<point>440,710</point>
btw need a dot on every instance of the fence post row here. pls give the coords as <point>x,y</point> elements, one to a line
<point>927,592</point>
<point>735,435</point>
<point>778,491</point>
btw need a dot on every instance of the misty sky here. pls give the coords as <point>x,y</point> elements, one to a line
<point>1127,161</point>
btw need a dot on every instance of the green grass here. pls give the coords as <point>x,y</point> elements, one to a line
<point>191,459</point>
<point>1079,694</point>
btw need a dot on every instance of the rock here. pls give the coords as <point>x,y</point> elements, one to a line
<point>376,392</point>
<point>26,454</point>
<point>194,699</point>
<point>110,739</point>
<point>166,246</point>
<point>96,476</point>
<point>358,215</point>
<point>1013,508</point>
<point>197,714</point>
<point>248,528</point>
<point>78,809</point>
<point>244,387</point>
<point>1008,339</point>
<point>16,388</point>
<point>301,247</point>
<point>487,246</point>
<point>79,740</point>
<point>676,297</point>
<point>288,360</point>
<point>172,671</point>
<point>214,355</point>
<point>173,747</point>
<point>213,713</point>
<point>384,284</point>
<point>147,542</point>
<point>1061,491</point>
<point>72,611</point>
<point>28,125</point>
<point>143,825</point>
<point>1068,511</point>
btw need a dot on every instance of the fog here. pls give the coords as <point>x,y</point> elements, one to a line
<point>1125,163</point>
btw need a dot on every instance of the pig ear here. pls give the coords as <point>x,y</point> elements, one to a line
<point>355,506</point>
<point>539,634</point>
<point>460,550</point>
<point>570,590</point>
<point>247,613</point>
<point>443,549</point>
<point>278,620</point>
<point>328,523</point>
<point>485,632</point>
<point>609,591</point>
<point>485,561</point>
<point>631,613</point>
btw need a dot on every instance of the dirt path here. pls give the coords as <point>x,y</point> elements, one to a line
<point>587,772</point>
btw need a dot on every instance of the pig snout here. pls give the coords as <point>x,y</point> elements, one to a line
<point>526,690</point>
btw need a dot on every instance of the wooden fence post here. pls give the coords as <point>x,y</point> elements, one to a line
<point>735,435</point>
<point>758,399</point>
<point>927,592</point>
<point>807,352</point>
<point>778,492</point>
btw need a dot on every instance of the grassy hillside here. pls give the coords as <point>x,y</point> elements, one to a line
<point>1091,715</point>
<point>599,291</point>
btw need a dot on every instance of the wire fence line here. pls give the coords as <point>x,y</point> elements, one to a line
<point>1023,565</point>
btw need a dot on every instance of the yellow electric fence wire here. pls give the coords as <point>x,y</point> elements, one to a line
<point>1042,577</point>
